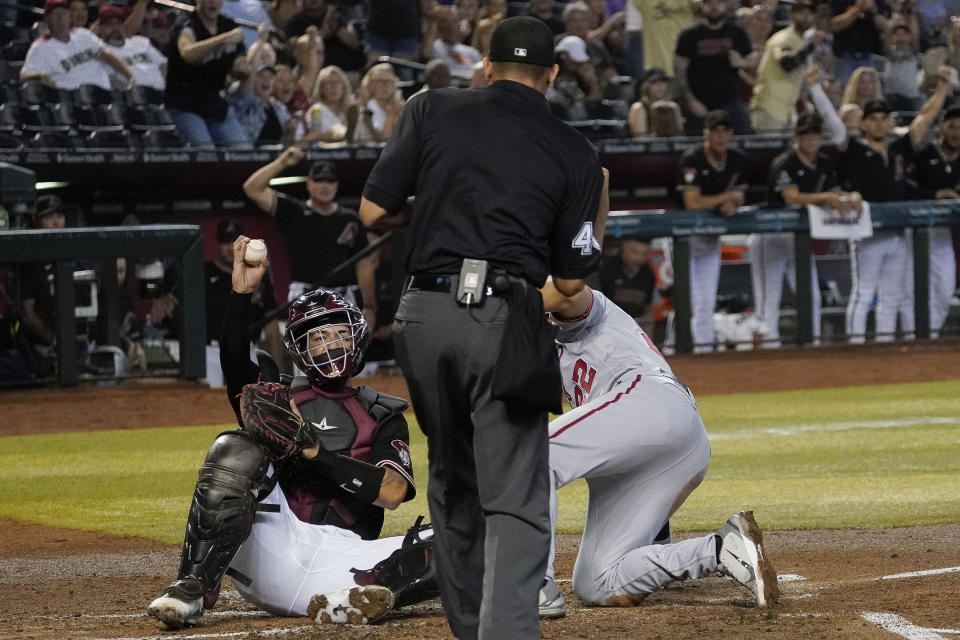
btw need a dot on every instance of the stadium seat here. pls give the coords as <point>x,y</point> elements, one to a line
<point>10,141</point>
<point>53,140</point>
<point>99,108</point>
<point>140,96</point>
<point>10,71</point>
<point>160,139</point>
<point>15,42</point>
<point>9,117</point>
<point>108,139</point>
<point>9,94</point>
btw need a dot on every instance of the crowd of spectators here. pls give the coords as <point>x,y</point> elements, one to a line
<point>246,73</point>
<point>310,73</point>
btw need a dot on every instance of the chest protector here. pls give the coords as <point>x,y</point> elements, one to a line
<point>346,421</point>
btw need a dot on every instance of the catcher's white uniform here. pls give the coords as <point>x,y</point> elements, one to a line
<point>636,436</point>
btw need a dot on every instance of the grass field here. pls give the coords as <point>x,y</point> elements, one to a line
<point>876,456</point>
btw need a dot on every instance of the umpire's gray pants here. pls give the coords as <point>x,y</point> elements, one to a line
<point>489,484</point>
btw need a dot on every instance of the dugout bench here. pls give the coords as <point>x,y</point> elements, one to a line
<point>920,215</point>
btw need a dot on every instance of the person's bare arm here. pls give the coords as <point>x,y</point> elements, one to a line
<point>844,20</point>
<point>393,489</point>
<point>371,212</point>
<point>35,322</point>
<point>366,280</point>
<point>603,208</point>
<point>257,186</point>
<point>38,76</point>
<point>683,91</point>
<point>931,108</point>
<point>194,52</point>
<point>693,199</point>
<point>134,21</point>
<point>637,118</point>
<point>564,306</point>
<point>117,64</point>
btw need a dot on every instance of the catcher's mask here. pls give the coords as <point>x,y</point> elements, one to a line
<point>326,337</point>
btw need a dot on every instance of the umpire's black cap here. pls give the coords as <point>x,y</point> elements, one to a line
<point>522,39</point>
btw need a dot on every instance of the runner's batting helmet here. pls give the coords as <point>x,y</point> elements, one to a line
<point>327,337</point>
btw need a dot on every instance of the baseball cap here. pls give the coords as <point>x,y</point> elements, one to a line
<point>50,5</point>
<point>575,47</point>
<point>228,231</point>
<point>323,171</point>
<point>809,123</point>
<point>875,106</point>
<point>49,204</point>
<point>952,111</point>
<point>111,12</point>
<point>522,39</point>
<point>803,4</point>
<point>266,67</point>
<point>717,118</point>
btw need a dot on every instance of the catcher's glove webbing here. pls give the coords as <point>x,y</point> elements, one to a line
<point>269,419</point>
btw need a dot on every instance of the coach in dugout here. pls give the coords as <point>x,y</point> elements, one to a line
<point>68,57</point>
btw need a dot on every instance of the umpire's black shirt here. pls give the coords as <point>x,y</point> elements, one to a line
<point>497,177</point>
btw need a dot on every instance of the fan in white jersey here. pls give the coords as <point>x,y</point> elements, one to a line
<point>148,65</point>
<point>66,57</point>
<point>635,435</point>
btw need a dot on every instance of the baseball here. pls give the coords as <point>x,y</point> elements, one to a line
<point>256,252</point>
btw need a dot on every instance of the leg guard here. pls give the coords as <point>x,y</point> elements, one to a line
<point>222,511</point>
<point>409,572</point>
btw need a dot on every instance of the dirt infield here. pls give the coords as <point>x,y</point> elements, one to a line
<point>58,583</point>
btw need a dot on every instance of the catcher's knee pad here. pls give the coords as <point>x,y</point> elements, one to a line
<point>223,508</point>
<point>410,571</point>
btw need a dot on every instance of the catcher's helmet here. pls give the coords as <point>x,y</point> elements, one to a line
<point>326,337</point>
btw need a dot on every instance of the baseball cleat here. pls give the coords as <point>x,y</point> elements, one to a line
<point>354,605</point>
<point>176,610</point>
<point>551,602</point>
<point>742,558</point>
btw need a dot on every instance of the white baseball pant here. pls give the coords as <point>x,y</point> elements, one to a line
<point>877,266</point>
<point>772,258</point>
<point>642,449</point>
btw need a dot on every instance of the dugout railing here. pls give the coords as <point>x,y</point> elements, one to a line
<point>61,247</point>
<point>920,215</point>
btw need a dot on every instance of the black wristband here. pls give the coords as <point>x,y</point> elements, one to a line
<point>361,479</point>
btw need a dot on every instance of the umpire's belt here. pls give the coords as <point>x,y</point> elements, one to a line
<point>496,284</point>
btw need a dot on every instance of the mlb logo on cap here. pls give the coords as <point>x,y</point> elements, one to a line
<point>520,52</point>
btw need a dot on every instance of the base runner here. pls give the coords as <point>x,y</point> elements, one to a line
<point>635,434</point>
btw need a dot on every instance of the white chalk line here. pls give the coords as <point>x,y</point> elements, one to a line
<point>904,628</point>
<point>792,429</point>
<point>225,634</point>
<point>917,574</point>
<point>113,616</point>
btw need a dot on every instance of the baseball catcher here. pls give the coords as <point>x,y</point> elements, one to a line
<point>290,504</point>
<point>635,434</point>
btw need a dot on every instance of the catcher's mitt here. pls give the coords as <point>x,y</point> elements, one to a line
<point>269,419</point>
